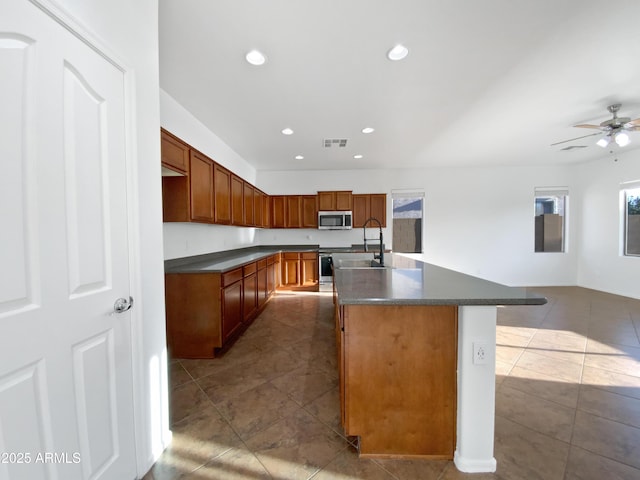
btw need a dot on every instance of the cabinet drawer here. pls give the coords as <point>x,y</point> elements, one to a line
<point>249,269</point>
<point>231,277</point>
<point>309,255</point>
<point>290,255</point>
<point>262,264</point>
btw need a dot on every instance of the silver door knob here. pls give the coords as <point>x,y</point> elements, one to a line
<point>121,305</point>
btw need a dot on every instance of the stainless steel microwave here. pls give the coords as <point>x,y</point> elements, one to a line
<point>332,220</point>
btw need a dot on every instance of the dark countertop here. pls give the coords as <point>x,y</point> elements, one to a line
<point>412,282</point>
<point>220,262</point>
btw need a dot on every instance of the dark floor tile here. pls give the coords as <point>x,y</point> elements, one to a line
<point>620,408</point>
<point>236,464</point>
<point>305,384</point>
<point>296,447</point>
<point>185,400</point>
<point>407,469</point>
<point>607,438</point>
<point>177,374</point>
<point>523,454</point>
<point>256,409</point>
<point>347,465</point>
<point>543,386</point>
<point>615,382</point>
<point>584,465</point>
<point>541,415</point>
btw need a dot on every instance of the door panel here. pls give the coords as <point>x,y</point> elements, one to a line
<point>19,282</point>
<point>85,168</point>
<point>65,361</point>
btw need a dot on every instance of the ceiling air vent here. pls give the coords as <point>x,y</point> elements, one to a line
<point>335,142</point>
<point>571,147</point>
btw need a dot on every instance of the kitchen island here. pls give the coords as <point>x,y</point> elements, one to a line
<point>416,351</point>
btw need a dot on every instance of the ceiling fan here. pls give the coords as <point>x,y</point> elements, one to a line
<point>615,129</point>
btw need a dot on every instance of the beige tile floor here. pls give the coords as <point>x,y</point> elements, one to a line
<point>567,398</point>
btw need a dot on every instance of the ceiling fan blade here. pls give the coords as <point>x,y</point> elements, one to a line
<point>586,125</point>
<point>577,138</point>
<point>635,122</point>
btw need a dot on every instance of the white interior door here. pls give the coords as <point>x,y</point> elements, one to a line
<point>66,408</point>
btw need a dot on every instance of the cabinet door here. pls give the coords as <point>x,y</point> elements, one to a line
<point>379,207</point>
<point>344,200</point>
<point>231,309</point>
<point>278,203</point>
<point>293,212</point>
<point>248,204</point>
<point>290,269</point>
<point>309,211</point>
<point>250,296</point>
<point>271,278</point>
<point>258,198</point>
<point>326,200</point>
<point>263,286</point>
<point>237,200</point>
<point>309,268</point>
<point>222,182</point>
<point>361,209</point>
<point>173,152</point>
<point>201,187</point>
<point>266,211</point>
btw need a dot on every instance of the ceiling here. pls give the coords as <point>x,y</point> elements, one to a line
<point>491,82</point>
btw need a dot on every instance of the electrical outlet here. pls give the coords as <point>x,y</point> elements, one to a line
<point>480,353</point>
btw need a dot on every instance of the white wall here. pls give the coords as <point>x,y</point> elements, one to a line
<point>130,30</point>
<point>601,263</point>
<point>186,239</point>
<point>477,220</point>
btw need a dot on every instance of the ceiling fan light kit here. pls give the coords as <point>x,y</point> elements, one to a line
<point>615,129</point>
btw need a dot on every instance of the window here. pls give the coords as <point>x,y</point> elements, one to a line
<point>632,220</point>
<point>550,215</point>
<point>407,221</point>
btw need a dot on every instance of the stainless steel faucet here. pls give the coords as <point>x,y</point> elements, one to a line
<point>380,255</point>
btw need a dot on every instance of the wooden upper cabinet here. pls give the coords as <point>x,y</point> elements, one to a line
<point>292,211</point>
<point>173,152</point>
<point>248,204</point>
<point>369,205</point>
<point>335,200</point>
<point>309,211</point>
<point>379,207</point>
<point>237,200</point>
<point>201,187</point>
<point>222,182</point>
<point>361,209</point>
<point>258,210</point>
<point>278,207</point>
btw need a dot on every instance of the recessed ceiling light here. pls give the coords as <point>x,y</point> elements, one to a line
<point>357,157</point>
<point>299,157</point>
<point>287,131</point>
<point>254,57</point>
<point>398,52</point>
<point>368,130</point>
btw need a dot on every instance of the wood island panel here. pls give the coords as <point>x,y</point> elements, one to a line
<point>400,379</point>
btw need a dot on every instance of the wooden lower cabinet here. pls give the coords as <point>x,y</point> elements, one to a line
<point>398,378</point>
<point>300,271</point>
<point>207,311</point>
